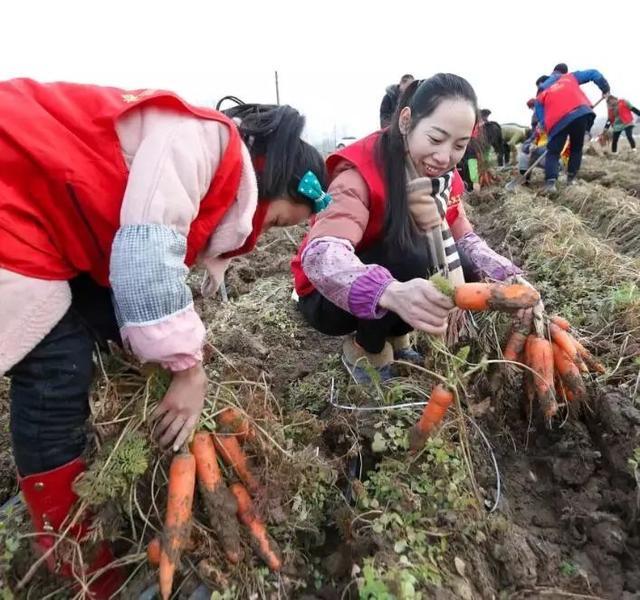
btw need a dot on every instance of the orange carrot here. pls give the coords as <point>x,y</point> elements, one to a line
<point>231,420</point>
<point>232,454</point>
<point>564,340</point>
<point>560,322</point>
<point>439,401</point>
<point>219,502</point>
<point>260,539</point>
<point>495,296</point>
<point>514,345</point>
<point>154,549</point>
<point>177,524</point>
<point>592,364</point>
<point>207,468</point>
<point>539,357</point>
<point>519,332</point>
<point>569,374</point>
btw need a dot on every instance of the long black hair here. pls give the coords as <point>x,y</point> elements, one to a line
<point>281,158</point>
<point>423,97</point>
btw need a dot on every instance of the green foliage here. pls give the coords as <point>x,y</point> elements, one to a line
<point>371,584</point>
<point>625,296</point>
<point>634,463</point>
<point>391,434</point>
<point>568,569</point>
<point>115,469</point>
<point>315,500</point>
<point>407,500</point>
<point>10,542</point>
<point>391,584</point>
<point>312,392</point>
<point>443,285</point>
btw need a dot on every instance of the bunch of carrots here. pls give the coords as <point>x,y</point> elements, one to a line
<point>475,297</point>
<point>556,360</point>
<point>225,506</point>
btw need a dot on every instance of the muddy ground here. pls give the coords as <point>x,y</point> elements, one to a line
<point>566,523</point>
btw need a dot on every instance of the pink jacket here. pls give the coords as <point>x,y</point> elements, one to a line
<point>172,159</point>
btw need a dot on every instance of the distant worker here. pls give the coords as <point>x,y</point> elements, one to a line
<point>391,99</point>
<point>490,136</point>
<point>622,120</point>
<point>512,135</point>
<point>563,110</point>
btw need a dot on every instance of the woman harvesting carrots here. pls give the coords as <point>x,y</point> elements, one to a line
<point>396,218</point>
<point>108,198</point>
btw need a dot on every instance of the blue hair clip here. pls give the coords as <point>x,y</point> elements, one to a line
<point>310,187</point>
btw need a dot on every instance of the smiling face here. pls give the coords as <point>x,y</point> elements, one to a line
<point>438,142</point>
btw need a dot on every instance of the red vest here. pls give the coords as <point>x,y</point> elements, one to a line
<point>63,176</point>
<point>363,156</point>
<point>625,115</point>
<point>560,98</point>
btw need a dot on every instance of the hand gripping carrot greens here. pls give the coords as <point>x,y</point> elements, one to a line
<point>226,507</point>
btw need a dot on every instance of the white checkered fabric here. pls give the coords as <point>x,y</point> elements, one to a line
<point>148,274</point>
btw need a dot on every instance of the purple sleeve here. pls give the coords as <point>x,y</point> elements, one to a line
<point>339,275</point>
<point>486,262</point>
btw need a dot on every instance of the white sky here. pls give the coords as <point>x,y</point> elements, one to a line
<point>334,58</point>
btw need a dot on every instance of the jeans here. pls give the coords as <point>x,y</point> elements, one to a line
<point>616,136</point>
<point>50,386</point>
<point>575,131</point>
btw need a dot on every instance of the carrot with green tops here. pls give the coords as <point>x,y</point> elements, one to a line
<point>219,502</point>
<point>232,454</point>
<point>232,421</point>
<point>488,296</point>
<point>439,401</point>
<point>538,355</point>
<point>260,539</point>
<point>177,524</point>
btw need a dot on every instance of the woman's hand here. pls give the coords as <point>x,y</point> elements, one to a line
<point>178,413</point>
<point>418,303</point>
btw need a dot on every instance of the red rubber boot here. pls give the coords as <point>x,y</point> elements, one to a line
<point>50,497</point>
